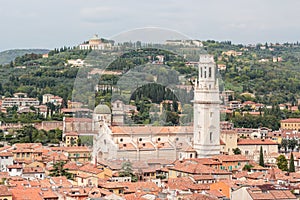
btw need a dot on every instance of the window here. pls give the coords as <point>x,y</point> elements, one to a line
<point>121,139</point>
<point>211,114</point>
<point>209,72</point>
<point>140,139</point>
<point>246,152</point>
<point>211,137</point>
<point>158,139</point>
<point>201,72</point>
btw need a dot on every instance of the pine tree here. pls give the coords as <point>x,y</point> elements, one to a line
<point>261,157</point>
<point>292,164</point>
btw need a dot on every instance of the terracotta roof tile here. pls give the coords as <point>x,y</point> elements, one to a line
<point>73,119</point>
<point>4,191</point>
<point>291,120</point>
<point>255,142</point>
<point>90,168</point>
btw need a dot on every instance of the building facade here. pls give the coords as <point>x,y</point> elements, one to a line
<point>206,109</point>
<point>179,142</point>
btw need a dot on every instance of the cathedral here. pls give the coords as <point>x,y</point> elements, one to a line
<point>166,142</point>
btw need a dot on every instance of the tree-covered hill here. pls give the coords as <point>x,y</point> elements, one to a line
<point>9,55</point>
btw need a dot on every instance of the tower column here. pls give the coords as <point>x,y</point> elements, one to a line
<point>206,109</point>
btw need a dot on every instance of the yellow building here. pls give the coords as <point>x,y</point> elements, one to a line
<point>71,139</point>
<point>80,154</point>
<point>231,162</point>
<point>291,124</point>
<point>116,188</point>
<point>229,137</point>
<point>88,175</point>
<point>27,151</point>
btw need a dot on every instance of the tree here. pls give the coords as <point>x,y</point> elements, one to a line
<point>237,151</point>
<point>247,167</point>
<point>282,163</point>
<point>292,143</point>
<point>261,157</point>
<point>284,144</point>
<point>292,164</point>
<point>59,170</point>
<point>126,170</point>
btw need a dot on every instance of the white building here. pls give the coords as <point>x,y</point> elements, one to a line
<point>207,109</point>
<point>32,173</point>
<point>50,98</point>
<point>6,159</point>
<point>251,147</point>
<point>171,142</point>
<point>15,170</point>
<point>95,43</point>
<point>20,102</point>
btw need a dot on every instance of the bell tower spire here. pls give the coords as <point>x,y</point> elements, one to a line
<point>206,109</point>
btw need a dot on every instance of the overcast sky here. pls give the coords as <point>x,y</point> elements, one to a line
<point>54,23</point>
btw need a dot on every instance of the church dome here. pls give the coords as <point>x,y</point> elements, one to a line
<point>102,109</point>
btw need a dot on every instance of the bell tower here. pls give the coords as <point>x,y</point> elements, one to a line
<point>206,109</point>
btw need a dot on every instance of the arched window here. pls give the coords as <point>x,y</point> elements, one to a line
<point>209,72</point>
<point>210,137</point>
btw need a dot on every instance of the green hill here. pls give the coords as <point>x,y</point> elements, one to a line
<point>9,55</point>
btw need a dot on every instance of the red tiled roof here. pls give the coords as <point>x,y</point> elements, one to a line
<point>4,191</point>
<point>71,134</point>
<point>255,142</point>
<point>291,120</point>
<point>9,154</point>
<point>33,170</point>
<point>14,167</point>
<point>90,168</point>
<point>73,119</point>
<point>231,158</point>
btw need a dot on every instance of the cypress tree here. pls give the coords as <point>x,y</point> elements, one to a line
<point>292,164</point>
<point>261,157</point>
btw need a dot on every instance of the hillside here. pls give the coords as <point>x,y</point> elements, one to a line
<point>9,55</point>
